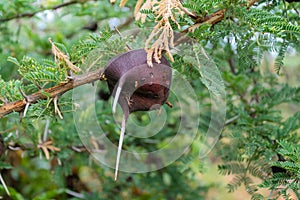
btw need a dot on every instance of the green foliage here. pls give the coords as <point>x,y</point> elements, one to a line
<point>289,177</point>
<point>259,146</point>
<point>10,90</point>
<point>40,73</point>
<point>255,132</point>
<point>203,7</point>
<point>95,51</point>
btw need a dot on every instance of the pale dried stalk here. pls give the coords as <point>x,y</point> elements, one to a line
<point>58,90</point>
<point>146,6</point>
<point>122,3</point>
<point>165,11</point>
<point>59,55</point>
<point>138,7</point>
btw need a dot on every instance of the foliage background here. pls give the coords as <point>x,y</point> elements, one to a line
<point>257,51</point>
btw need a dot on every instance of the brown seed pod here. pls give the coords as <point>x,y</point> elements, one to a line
<point>136,86</point>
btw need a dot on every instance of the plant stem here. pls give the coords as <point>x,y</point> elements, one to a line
<point>19,106</point>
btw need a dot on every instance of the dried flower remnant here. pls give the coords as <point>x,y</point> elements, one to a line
<point>139,7</point>
<point>165,11</point>
<point>46,146</point>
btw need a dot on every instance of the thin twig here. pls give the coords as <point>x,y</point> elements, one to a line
<point>214,18</point>
<point>19,106</point>
<point>296,10</point>
<point>28,15</point>
<point>127,22</point>
<point>75,194</point>
<point>128,48</point>
<point>229,121</point>
<point>27,99</point>
<point>231,65</point>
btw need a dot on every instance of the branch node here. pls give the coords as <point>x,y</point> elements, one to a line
<point>70,75</point>
<point>4,100</point>
<point>229,121</point>
<point>103,77</point>
<point>38,86</point>
<point>24,95</point>
<point>71,78</point>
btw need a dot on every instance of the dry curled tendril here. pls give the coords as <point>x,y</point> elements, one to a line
<point>165,11</point>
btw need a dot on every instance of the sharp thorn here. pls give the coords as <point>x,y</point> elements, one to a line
<point>56,108</point>
<point>26,108</point>
<point>4,185</point>
<point>118,92</point>
<point>120,145</point>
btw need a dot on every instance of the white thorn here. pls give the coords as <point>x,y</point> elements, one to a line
<point>26,108</point>
<point>4,185</point>
<point>45,135</point>
<point>119,89</point>
<point>120,146</point>
<point>56,109</point>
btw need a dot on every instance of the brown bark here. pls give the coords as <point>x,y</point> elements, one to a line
<point>215,17</point>
<point>19,106</point>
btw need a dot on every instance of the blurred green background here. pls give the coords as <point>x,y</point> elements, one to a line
<point>71,172</point>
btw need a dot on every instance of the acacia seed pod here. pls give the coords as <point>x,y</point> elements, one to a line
<point>136,86</point>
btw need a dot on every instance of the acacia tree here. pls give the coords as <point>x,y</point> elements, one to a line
<point>253,43</point>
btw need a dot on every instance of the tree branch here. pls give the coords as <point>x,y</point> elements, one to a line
<point>211,19</point>
<point>22,15</point>
<point>214,18</point>
<point>19,106</point>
